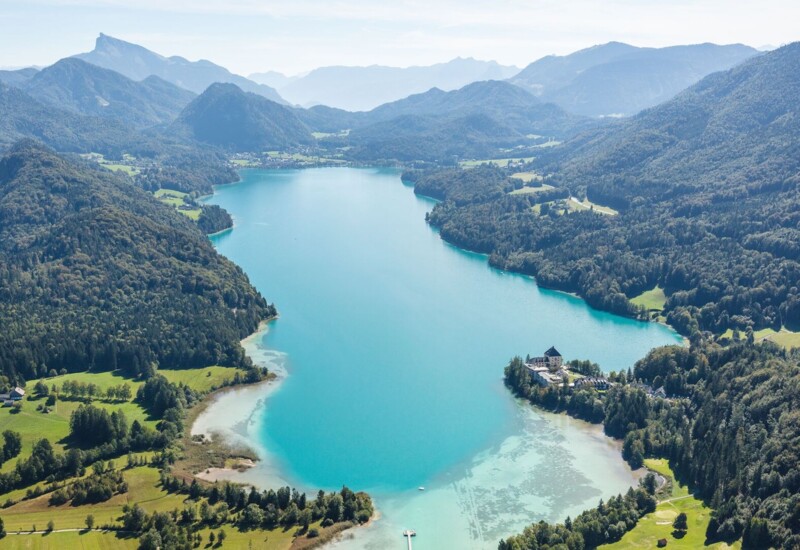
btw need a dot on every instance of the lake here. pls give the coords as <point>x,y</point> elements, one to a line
<point>394,343</point>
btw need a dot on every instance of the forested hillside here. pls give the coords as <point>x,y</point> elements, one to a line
<point>730,429</point>
<point>97,274</point>
<point>234,120</point>
<point>84,88</point>
<point>477,120</point>
<point>706,187</point>
<point>23,116</point>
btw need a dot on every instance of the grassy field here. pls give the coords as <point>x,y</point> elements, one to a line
<point>652,300</point>
<point>577,206</point>
<point>200,379</point>
<point>34,425</point>
<point>531,190</point>
<point>499,162</point>
<point>142,489</point>
<point>78,540</point>
<point>657,525</point>
<point>177,199</point>
<point>244,163</point>
<point>527,177</point>
<point>126,165</point>
<point>785,338</point>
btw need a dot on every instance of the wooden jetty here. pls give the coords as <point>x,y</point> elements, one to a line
<point>408,533</point>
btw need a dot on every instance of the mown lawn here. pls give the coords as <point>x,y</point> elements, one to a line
<point>530,190</point>
<point>785,338</point>
<point>201,380</point>
<point>527,177</point>
<point>652,300</point>
<point>577,206</point>
<point>34,425</point>
<point>658,525</point>
<point>78,540</point>
<point>54,426</point>
<point>142,489</point>
<point>177,199</point>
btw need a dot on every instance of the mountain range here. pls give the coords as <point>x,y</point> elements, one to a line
<point>730,135</point>
<point>137,63</point>
<point>364,88</point>
<point>22,116</point>
<point>473,121</point>
<point>91,90</point>
<point>226,116</point>
<point>620,79</point>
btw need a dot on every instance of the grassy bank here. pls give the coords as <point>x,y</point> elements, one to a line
<point>658,525</point>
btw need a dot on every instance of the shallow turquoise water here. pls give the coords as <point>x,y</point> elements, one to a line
<point>395,340</point>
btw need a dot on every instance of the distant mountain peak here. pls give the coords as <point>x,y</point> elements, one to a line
<point>137,63</point>
<point>364,88</point>
<point>617,78</point>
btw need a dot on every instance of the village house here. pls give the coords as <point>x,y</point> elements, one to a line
<point>9,398</point>
<point>598,383</point>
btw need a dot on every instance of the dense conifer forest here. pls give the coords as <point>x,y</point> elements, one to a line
<point>730,427</point>
<point>706,187</point>
<point>96,274</point>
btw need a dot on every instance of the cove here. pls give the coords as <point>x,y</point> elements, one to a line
<point>394,343</point>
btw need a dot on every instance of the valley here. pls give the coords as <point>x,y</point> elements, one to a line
<point>634,207</point>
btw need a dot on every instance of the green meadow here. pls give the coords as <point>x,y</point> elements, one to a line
<point>658,525</point>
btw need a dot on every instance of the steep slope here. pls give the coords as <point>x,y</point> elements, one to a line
<point>77,85</point>
<point>618,79</point>
<point>227,117</point>
<point>476,120</point>
<point>138,63</point>
<point>97,274</point>
<point>22,116</point>
<point>707,187</point>
<point>17,77</point>
<point>364,88</point>
<point>733,130</point>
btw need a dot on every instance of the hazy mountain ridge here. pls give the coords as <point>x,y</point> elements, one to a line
<point>473,121</point>
<point>137,63</point>
<point>228,117</point>
<point>22,116</point>
<point>364,88</point>
<point>17,77</point>
<point>85,88</point>
<point>707,189</point>
<point>740,127</point>
<point>619,79</point>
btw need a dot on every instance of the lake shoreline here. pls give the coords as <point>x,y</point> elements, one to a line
<point>543,446</point>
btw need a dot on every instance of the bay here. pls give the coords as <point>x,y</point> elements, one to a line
<point>394,344</point>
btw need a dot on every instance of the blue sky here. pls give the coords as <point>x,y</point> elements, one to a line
<point>294,36</point>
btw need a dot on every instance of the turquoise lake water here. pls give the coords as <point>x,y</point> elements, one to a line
<point>395,341</point>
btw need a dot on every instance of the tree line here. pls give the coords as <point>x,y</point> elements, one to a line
<point>727,427</point>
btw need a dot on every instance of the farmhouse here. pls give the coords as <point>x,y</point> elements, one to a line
<point>14,395</point>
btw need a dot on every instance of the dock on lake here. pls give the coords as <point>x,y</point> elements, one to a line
<point>408,533</point>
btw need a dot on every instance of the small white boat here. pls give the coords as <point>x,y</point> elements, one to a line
<point>421,488</point>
